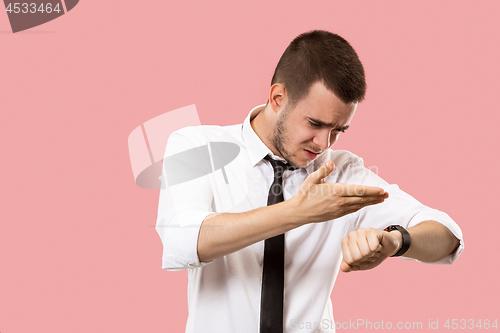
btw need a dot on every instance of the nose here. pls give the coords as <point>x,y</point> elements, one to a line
<point>325,139</point>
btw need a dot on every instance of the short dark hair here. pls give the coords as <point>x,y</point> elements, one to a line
<point>320,55</point>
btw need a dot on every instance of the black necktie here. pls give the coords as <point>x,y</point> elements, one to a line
<point>273,273</point>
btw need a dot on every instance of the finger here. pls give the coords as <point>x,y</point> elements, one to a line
<point>319,175</point>
<point>374,242</point>
<point>364,249</point>
<point>352,190</point>
<point>346,209</point>
<point>354,248</point>
<point>356,203</point>
<point>346,253</point>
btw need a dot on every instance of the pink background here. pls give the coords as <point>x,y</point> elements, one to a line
<point>78,248</point>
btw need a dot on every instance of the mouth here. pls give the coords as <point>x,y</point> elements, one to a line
<point>310,154</point>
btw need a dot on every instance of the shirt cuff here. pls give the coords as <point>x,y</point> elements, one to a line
<point>180,240</point>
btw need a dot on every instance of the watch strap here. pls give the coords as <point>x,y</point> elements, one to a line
<point>406,239</point>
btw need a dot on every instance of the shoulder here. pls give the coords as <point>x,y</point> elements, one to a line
<point>200,135</point>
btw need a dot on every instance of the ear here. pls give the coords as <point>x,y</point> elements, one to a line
<point>277,97</point>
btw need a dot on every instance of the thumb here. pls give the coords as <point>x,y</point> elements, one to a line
<point>344,267</point>
<point>319,175</point>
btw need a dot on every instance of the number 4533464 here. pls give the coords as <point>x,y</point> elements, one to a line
<point>470,324</point>
<point>26,8</point>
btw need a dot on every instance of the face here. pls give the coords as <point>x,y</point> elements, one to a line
<point>313,125</point>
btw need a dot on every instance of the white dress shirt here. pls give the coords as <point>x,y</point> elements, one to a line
<point>224,294</point>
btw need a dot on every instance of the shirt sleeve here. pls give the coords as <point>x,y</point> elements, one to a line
<point>185,199</point>
<point>400,208</point>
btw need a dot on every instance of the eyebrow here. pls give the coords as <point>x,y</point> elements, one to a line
<point>322,123</point>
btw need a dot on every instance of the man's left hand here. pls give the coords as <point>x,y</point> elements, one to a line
<point>364,249</point>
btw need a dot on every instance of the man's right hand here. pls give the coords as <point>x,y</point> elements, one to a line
<point>316,201</point>
<point>319,201</point>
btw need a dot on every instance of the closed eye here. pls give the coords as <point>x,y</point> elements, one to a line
<point>340,130</point>
<point>316,124</point>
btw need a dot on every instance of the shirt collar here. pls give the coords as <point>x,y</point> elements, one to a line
<point>257,149</point>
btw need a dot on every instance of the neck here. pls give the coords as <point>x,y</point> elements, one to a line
<point>262,125</point>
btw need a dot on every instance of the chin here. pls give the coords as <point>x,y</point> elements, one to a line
<point>301,164</point>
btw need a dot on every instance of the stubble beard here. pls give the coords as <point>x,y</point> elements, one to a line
<point>280,137</point>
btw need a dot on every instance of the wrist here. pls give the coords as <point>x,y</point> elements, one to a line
<point>401,237</point>
<point>292,214</point>
<point>397,240</point>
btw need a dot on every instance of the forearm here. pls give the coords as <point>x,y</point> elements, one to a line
<point>226,233</point>
<point>431,241</point>
<point>315,201</point>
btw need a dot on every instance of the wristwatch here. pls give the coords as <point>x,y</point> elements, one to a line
<point>406,239</point>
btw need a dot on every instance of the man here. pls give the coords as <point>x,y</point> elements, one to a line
<point>223,227</point>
